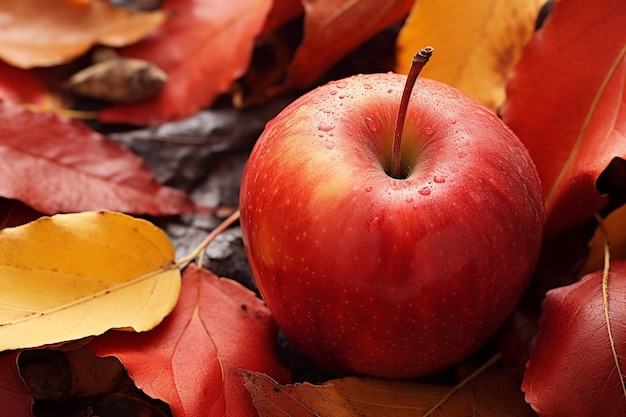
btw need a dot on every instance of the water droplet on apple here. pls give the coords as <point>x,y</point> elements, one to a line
<point>341,84</point>
<point>390,90</point>
<point>424,190</point>
<point>428,130</point>
<point>368,189</point>
<point>367,86</point>
<point>453,122</point>
<point>325,127</point>
<point>439,179</point>
<point>333,92</point>
<point>371,124</point>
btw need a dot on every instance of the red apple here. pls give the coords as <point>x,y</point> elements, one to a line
<point>383,276</point>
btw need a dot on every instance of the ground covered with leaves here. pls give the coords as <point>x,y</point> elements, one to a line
<point>130,124</point>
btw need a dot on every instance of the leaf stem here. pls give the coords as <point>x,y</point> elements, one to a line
<point>419,60</point>
<point>491,361</point>
<point>210,237</point>
<point>605,298</point>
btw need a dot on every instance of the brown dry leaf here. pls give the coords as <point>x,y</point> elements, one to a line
<point>492,394</point>
<point>476,42</point>
<point>79,373</point>
<point>119,80</point>
<point>36,33</point>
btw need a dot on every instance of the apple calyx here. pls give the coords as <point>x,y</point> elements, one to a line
<point>417,63</point>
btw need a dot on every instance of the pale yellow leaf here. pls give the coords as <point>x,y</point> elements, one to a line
<point>49,32</point>
<point>492,394</point>
<point>476,42</point>
<point>71,276</point>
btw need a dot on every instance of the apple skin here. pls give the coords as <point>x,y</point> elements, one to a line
<point>373,275</point>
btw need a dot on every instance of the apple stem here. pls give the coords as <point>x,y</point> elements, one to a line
<point>419,60</point>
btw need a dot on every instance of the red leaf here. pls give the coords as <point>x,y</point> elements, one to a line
<point>567,102</point>
<point>204,47</point>
<point>14,396</point>
<point>333,28</point>
<point>58,165</point>
<point>282,11</point>
<point>21,86</point>
<point>572,371</point>
<point>192,359</point>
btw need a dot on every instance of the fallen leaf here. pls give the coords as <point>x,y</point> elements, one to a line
<point>203,48</point>
<point>60,376</point>
<point>493,393</point>
<point>334,28</point>
<point>57,165</point>
<point>192,360</point>
<point>14,396</point>
<point>476,43</point>
<point>282,11</point>
<point>572,371</point>
<point>71,276</point>
<point>615,226</point>
<point>15,213</point>
<point>37,33</point>
<point>119,80</point>
<point>22,86</point>
<point>566,102</point>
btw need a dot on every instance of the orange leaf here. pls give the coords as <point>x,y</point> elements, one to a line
<point>567,103</point>
<point>491,394</point>
<point>333,28</point>
<point>36,33</point>
<point>476,43</point>
<point>57,165</point>
<point>192,359</point>
<point>203,48</point>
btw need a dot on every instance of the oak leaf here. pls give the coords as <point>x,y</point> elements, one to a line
<point>57,165</point>
<point>70,276</point>
<point>14,396</point>
<point>203,48</point>
<point>334,28</point>
<point>567,103</point>
<point>476,43</point>
<point>37,33</point>
<point>572,371</point>
<point>492,393</point>
<point>192,359</point>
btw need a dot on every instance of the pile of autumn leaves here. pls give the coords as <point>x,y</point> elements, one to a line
<point>569,113</point>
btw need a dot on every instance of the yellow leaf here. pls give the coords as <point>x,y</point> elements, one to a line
<point>492,394</point>
<point>44,33</point>
<point>615,226</point>
<point>71,276</point>
<point>476,42</point>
